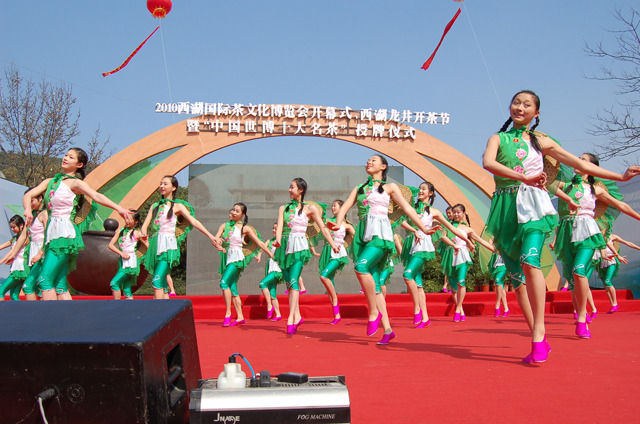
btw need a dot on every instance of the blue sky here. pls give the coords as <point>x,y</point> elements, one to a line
<point>330,53</point>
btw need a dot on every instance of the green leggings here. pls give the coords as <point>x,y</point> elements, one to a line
<point>30,285</point>
<point>368,263</point>
<point>330,270</point>
<point>13,286</point>
<point>582,261</point>
<point>123,282</point>
<point>270,282</point>
<point>459,276</point>
<point>292,275</point>
<point>159,281</point>
<point>529,255</point>
<point>608,276</point>
<point>413,271</point>
<point>229,280</point>
<point>383,279</point>
<point>499,277</point>
<point>53,274</point>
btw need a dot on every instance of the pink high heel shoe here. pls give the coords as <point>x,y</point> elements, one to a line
<point>270,312</point>
<point>298,324</point>
<point>372,326</point>
<point>593,315</point>
<point>463,318</point>
<point>236,322</point>
<point>291,329</point>
<point>386,338</point>
<point>417,318</point>
<point>575,315</point>
<point>335,321</point>
<point>497,313</point>
<point>539,352</point>
<point>507,313</point>
<point>274,319</point>
<point>613,309</point>
<point>456,317</point>
<point>424,324</point>
<point>227,321</point>
<point>582,331</point>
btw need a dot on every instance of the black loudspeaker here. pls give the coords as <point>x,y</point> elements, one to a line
<point>97,361</point>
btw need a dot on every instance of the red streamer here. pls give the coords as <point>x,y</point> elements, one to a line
<point>104,74</point>
<point>426,64</point>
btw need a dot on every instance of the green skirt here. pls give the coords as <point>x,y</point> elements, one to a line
<point>325,258</point>
<point>446,255</point>
<point>241,265</point>
<point>151,258</point>
<point>358,245</point>
<point>130,271</point>
<point>503,224</point>
<point>285,260</point>
<point>566,249</point>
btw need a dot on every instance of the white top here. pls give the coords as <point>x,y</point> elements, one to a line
<point>425,245</point>
<point>60,225</point>
<point>378,218</point>
<point>167,232</point>
<point>234,251</point>
<point>128,246</point>
<point>18,261</point>
<point>338,239</point>
<point>298,235</point>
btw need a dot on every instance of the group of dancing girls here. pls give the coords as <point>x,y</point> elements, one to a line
<point>522,216</point>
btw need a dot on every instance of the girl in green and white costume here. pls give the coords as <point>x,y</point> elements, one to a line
<point>292,246</point>
<point>63,197</point>
<point>331,262</point>
<point>418,249</point>
<point>272,277</point>
<point>36,248</point>
<point>521,213</point>
<point>18,257</point>
<point>164,246</point>
<point>125,243</point>
<point>497,273</point>
<point>373,242</point>
<point>461,260</point>
<point>578,240</point>
<point>230,238</point>
<point>607,262</point>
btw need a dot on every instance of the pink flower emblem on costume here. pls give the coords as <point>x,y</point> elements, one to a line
<point>521,153</point>
<point>51,193</point>
<point>50,206</point>
<point>156,222</point>
<point>519,169</point>
<point>578,195</point>
<point>226,239</point>
<point>290,225</point>
<point>365,202</point>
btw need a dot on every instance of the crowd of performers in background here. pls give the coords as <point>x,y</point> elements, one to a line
<point>529,168</point>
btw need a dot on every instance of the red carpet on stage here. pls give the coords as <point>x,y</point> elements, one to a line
<point>468,372</point>
<point>449,372</point>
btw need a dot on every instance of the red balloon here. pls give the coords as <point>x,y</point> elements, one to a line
<point>159,8</point>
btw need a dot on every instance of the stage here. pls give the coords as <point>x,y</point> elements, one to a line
<point>468,372</point>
